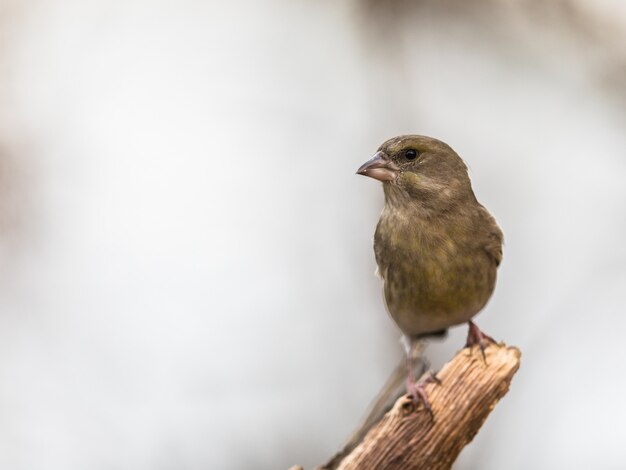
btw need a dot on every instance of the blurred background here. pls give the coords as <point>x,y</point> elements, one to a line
<point>186,265</point>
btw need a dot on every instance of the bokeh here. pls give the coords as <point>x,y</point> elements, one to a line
<point>186,266</point>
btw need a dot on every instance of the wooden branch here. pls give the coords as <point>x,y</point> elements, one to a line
<point>408,438</point>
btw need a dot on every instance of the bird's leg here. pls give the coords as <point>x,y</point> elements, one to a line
<point>475,336</point>
<point>415,388</point>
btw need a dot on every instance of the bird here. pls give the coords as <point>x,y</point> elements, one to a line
<point>437,248</point>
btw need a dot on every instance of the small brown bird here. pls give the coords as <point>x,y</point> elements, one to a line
<point>437,248</point>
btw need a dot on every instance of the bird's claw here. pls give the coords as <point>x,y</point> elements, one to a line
<point>417,391</point>
<point>432,378</point>
<point>475,336</point>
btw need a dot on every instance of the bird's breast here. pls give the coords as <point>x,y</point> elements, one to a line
<point>435,276</point>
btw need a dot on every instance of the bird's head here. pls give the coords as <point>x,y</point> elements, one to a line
<point>419,168</point>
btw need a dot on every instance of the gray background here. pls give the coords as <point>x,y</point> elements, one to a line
<point>186,270</point>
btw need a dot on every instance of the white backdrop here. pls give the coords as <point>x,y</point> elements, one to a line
<point>186,270</point>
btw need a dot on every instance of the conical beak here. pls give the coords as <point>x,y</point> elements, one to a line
<point>379,167</point>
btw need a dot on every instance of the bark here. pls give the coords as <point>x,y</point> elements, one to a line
<point>408,437</point>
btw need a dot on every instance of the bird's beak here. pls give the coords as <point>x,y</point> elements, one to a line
<point>379,167</point>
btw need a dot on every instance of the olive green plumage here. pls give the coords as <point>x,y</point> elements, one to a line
<point>436,246</point>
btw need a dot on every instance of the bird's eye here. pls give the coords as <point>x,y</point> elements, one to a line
<point>411,154</point>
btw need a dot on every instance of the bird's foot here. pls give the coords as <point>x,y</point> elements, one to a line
<point>475,336</point>
<point>417,390</point>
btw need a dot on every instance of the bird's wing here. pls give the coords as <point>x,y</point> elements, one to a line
<point>494,237</point>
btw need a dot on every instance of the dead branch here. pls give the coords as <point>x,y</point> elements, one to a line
<point>409,438</point>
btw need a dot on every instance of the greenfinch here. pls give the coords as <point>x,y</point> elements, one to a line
<point>437,248</point>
